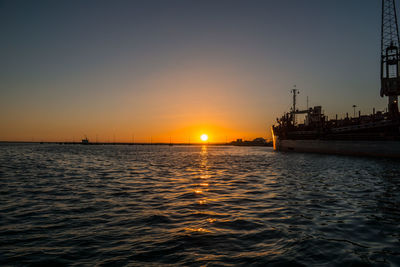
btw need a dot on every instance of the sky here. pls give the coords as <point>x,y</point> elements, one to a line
<point>155,71</point>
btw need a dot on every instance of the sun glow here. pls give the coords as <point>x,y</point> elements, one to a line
<point>204,137</point>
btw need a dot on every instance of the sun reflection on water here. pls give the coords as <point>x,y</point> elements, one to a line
<point>198,230</point>
<point>201,191</point>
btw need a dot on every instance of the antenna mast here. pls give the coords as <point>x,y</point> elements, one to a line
<point>295,92</point>
<point>390,57</point>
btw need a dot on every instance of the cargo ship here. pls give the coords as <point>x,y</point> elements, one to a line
<point>376,134</point>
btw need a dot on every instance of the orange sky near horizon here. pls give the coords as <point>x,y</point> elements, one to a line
<point>177,104</point>
<point>192,134</point>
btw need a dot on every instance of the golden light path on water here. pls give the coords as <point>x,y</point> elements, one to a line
<point>201,188</point>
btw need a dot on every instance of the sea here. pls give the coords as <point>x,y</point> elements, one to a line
<point>155,205</point>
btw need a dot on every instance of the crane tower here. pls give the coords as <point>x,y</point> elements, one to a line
<point>390,57</point>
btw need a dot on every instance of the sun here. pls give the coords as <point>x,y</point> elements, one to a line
<point>204,137</point>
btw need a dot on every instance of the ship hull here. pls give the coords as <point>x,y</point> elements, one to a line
<point>339,147</point>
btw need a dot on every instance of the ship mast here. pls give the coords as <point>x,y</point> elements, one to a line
<point>295,92</point>
<point>390,57</point>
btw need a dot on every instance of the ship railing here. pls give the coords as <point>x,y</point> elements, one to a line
<point>363,126</point>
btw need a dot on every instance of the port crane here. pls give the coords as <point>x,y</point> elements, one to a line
<point>390,57</point>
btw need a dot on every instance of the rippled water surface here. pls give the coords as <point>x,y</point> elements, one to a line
<point>195,205</point>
